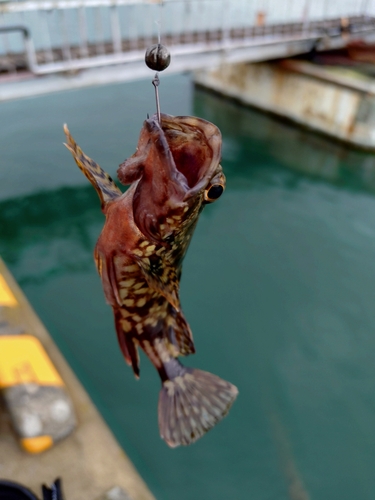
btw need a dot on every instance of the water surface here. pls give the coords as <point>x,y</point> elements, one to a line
<point>278,286</point>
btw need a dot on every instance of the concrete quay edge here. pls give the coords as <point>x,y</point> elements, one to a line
<point>89,461</point>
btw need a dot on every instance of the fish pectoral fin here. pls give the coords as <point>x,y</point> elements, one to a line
<point>161,278</point>
<point>102,182</point>
<point>131,169</point>
<point>127,345</point>
<point>106,270</point>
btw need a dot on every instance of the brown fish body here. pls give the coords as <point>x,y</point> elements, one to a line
<point>139,255</point>
<point>143,316</point>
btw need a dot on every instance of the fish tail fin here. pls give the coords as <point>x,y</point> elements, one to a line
<point>191,403</point>
<point>102,182</point>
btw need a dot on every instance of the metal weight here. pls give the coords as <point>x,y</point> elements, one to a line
<point>157,57</point>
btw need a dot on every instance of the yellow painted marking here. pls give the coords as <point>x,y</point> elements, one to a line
<point>138,252</point>
<point>23,360</point>
<point>125,313</point>
<point>150,248</point>
<point>139,328</point>
<point>6,296</point>
<point>141,302</point>
<point>146,260</point>
<point>130,269</point>
<point>176,217</point>
<point>141,291</point>
<point>144,243</point>
<point>186,209</point>
<point>162,226</point>
<point>170,221</point>
<point>137,318</point>
<point>138,285</point>
<point>160,251</point>
<point>129,302</point>
<point>36,444</point>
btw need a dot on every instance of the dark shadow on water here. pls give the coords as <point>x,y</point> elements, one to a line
<point>61,226</point>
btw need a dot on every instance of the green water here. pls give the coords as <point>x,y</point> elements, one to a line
<point>278,286</point>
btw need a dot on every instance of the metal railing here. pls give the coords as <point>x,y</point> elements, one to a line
<point>71,35</point>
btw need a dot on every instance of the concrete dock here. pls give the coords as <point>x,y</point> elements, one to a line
<point>90,462</point>
<point>335,101</point>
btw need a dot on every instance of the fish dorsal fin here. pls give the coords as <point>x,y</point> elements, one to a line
<point>102,182</point>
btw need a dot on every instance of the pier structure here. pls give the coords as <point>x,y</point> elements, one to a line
<point>335,101</point>
<point>90,462</point>
<point>78,38</point>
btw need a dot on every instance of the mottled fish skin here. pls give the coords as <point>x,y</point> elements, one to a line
<point>175,171</point>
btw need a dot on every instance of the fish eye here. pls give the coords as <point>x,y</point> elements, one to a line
<point>214,192</point>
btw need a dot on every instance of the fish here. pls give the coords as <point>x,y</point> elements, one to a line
<point>173,174</point>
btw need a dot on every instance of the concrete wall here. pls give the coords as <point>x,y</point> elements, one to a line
<point>332,101</point>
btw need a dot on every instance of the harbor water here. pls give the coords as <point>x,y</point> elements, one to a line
<point>278,286</point>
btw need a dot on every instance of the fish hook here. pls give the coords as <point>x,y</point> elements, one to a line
<point>157,57</point>
<point>156,83</point>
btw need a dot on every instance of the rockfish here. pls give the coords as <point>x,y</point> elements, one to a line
<point>173,174</point>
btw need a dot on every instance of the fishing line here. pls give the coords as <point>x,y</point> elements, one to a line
<point>157,57</point>
<point>159,21</point>
<point>158,25</point>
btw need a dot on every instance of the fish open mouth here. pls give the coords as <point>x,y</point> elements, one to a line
<point>174,163</point>
<point>195,145</point>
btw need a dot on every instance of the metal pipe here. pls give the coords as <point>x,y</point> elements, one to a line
<point>233,47</point>
<point>8,29</point>
<point>180,50</point>
<point>29,46</point>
